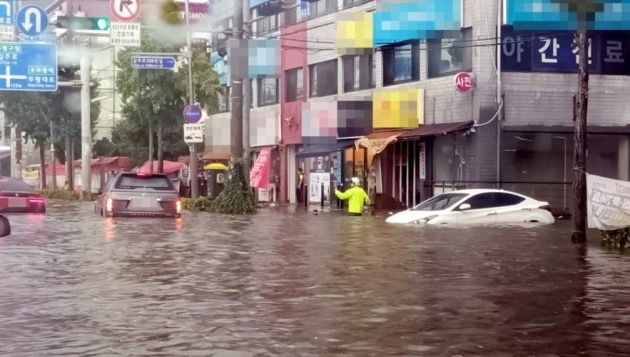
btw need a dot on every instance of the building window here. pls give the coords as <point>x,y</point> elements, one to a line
<point>218,39</point>
<point>294,84</point>
<point>401,63</point>
<point>291,15</point>
<point>267,25</point>
<point>323,78</point>
<point>358,72</point>
<point>449,56</point>
<point>267,91</point>
<point>352,3</point>
<point>224,99</point>
<point>321,7</point>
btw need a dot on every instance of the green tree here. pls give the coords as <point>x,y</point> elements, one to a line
<point>33,113</point>
<point>170,13</point>
<point>155,99</point>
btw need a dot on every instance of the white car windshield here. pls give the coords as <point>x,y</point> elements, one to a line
<point>440,202</point>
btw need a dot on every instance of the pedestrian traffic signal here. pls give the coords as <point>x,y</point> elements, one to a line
<point>83,23</point>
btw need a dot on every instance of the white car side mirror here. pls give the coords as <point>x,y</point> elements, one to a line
<point>464,207</point>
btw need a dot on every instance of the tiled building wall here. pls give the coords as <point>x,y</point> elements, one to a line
<point>547,99</point>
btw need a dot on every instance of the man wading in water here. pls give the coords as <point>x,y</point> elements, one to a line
<point>356,196</point>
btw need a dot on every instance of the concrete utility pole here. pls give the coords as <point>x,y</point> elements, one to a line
<point>578,227</point>
<point>194,162</point>
<point>53,160</point>
<point>86,127</point>
<point>247,98</point>
<point>236,97</point>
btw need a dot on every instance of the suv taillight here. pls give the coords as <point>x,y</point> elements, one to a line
<point>110,205</point>
<point>178,206</point>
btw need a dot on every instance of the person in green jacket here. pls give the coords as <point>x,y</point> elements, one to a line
<point>356,196</point>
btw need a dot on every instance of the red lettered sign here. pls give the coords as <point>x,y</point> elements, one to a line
<point>463,82</point>
<point>259,175</point>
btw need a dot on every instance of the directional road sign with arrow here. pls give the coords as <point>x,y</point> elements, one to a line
<point>32,20</point>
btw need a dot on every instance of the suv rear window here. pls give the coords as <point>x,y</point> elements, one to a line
<point>154,182</point>
<point>13,185</point>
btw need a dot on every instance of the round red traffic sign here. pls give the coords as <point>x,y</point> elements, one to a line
<point>463,82</point>
<point>125,10</point>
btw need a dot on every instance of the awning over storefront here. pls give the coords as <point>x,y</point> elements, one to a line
<point>378,140</point>
<point>435,129</point>
<point>322,150</point>
<point>216,156</point>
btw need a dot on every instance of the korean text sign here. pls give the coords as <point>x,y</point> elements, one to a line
<point>528,51</point>
<point>608,203</point>
<point>259,175</point>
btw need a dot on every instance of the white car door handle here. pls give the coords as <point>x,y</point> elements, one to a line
<point>492,214</point>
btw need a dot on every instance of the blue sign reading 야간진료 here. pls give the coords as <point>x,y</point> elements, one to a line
<point>544,51</point>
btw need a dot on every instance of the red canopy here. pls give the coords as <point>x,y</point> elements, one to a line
<point>114,163</point>
<point>60,169</point>
<point>169,167</point>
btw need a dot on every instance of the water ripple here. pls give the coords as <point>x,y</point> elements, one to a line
<point>291,283</point>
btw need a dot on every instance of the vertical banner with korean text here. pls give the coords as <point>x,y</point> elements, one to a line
<point>608,203</point>
<point>259,175</point>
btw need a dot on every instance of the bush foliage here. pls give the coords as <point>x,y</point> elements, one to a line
<point>616,239</point>
<point>236,197</point>
<point>68,195</point>
<point>198,204</point>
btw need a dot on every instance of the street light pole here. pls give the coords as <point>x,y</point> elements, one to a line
<point>86,125</point>
<point>53,166</point>
<point>194,164</point>
<point>564,175</point>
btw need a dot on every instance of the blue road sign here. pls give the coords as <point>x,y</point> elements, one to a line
<point>32,20</point>
<point>192,114</point>
<point>46,37</point>
<point>7,12</point>
<point>28,67</point>
<point>153,62</point>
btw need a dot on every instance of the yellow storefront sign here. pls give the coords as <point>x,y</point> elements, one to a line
<point>402,108</point>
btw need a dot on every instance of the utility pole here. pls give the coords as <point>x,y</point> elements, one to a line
<point>247,99</point>
<point>578,227</point>
<point>53,164</point>
<point>86,127</point>
<point>236,97</point>
<point>194,162</point>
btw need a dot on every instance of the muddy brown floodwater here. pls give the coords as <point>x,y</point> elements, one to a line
<point>286,283</point>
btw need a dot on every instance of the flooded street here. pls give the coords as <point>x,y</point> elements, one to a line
<point>297,284</point>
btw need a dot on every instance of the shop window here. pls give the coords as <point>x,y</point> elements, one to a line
<point>267,91</point>
<point>357,72</point>
<point>294,84</point>
<point>449,56</point>
<point>323,78</point>
<point>401,63</point>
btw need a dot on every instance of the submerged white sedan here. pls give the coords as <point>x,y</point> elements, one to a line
<point>476,206</point>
